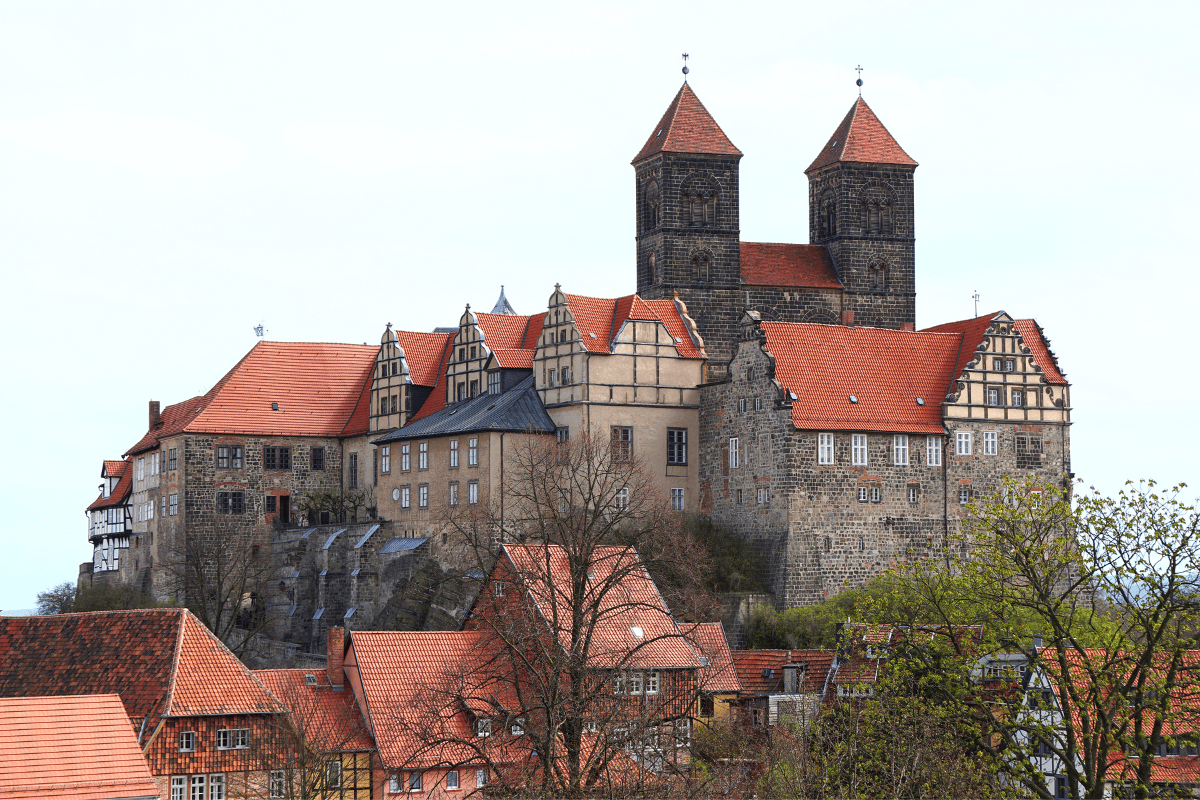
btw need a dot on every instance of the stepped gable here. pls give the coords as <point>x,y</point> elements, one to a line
<point>802,266</point>
<point>71,747</point>
<point>719,673</point>
<point>884,370</point>
<point>975,329</point>
<point>604,317</point>
<point>861,138</point>
<point>162,662</point>
<point>171,421</point>
<point>423,354</point>
<point>319,388</point>
<point>329,719</point>
<point>120,492</point>
<point>687,127</point>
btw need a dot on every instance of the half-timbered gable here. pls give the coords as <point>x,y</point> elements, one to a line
<point>407,368</point>
<point>110,517</point>
<point>479,337</point>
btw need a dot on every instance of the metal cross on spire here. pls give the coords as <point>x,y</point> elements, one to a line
<point>685,67</point>
<point>858,69</point>
<point>975,297</point>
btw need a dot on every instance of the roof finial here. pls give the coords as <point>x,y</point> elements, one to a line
<point>975,297</point>
<point>858,69</point>
<point>685,68</point>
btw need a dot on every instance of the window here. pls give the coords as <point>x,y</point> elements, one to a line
<point>1029,452</point>
<point>562,434</point>
<point>874,494</point>
<point>395,403</point>
<point>333,774</point>
<point>481,778</point>
<point>741,404</point>
<point>652,682</point>
<point>385,458</point>
<point>317,458</point>
<point>483,727</point>
<point>423,495</point>
<point>618,685</point>
<point>989,443</point>
<point>187,741</point>
<point>824,448</point>
<point>423,455</point>
<point>933,451</point>
<point>229,456</point>
<point>551,374</point>
<point>171,458</point>
<point>635,682</point>
<point>141,469</point>
<point>734,455</point>
<point>414,781</point>
<point>758,404</point>
<point>900,450</point>
<point>179,787</point>
<point>564,376</point>
<point>453,493</point>
<point>858,449</point>
<point>405,496</point>
<point>762,495</point>
<point>677,499</point>
<point>708,707</point>
<point>462,354</point>
<point>233,739</point>
<point>198,786</point>
<point>150,509</point>
<point>862,494</point>
<point>518,727</point>
<point>405,462</point>
<point>621,499</point>
<point>739,497</point>
<point>353,471</point>
<point>278,783</point>
<point>162,505</point>
<point>913,493</point>
<point>993,396</point>
<point>173,504</point>
<point>460,391</point>
<point>474,388</point>
<point>277,457</point>
<point>473,492</point>
<point>494,382</point>
<point>231,502</point>
<point>622,443</point>
<point>964,496</point>
<point>472,452</point>
<point>1018,398</point>
<point>962,441</point>
<point>270,504</point>
<point>454,454</point>
<point>676,445</point>
<point>395,785</point>
<point>452,779</point>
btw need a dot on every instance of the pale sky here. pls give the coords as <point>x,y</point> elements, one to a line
<point>172,174</point>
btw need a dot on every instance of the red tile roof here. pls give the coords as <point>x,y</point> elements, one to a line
<point>423,353</point>
<point>171,421</point>
<point>437,398</point>
<point>752,667</point>
<point>114,469</point>
<point>687,127</point>
<point>72,747</point>
<point>328,720</point>
<point>509,331</point>
<point>1035,340</point>
<point>633,602</point>
<point>884,370</point>
<point>861,138</point>
<point>801,265</point>
<point>720,674</point>
<point>514,359</point>
<point>162,661</point>
<point>973,331</point>
<point>605,316</point>
<point>120,493</point>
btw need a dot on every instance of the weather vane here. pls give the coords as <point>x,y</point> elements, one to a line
<point>858,69</point>
<point>685,69</point>
<point>975,297</point>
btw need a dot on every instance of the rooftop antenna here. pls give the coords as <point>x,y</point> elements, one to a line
<point>685,68</point>
<point>260,331</point>
<point>858,69</point>
<point>975,297</point>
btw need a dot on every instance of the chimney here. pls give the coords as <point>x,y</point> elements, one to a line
<point>847,317</point>
<point>336,654</point>
<point>153,414</point>
<point>907,326</point>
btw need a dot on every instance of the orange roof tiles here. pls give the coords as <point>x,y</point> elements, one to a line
<point>71,747</point>
<point>513,358</point>
<point>687,127</point>
<point>1035,340</point>
<point>114,469</point>
<point>801,265</point>
<point>318,388</point>
<point>437,398</point>
<point>668,313</point>
<point>508,331</point>
<point>208,679</point>
<point>327,719</point>
<point>753,666</point>
<point>861,138</point>
<point>884,370</point>
<point>171,421</point>
<point>719,674</point>
<point>423,353</point>
<point>120,493</point>
<point>973,331</point>
<point>604,317</point>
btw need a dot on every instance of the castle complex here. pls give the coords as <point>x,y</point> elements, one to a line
<point>781,389</point>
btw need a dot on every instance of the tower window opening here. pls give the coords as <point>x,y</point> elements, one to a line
<point>701,263</point>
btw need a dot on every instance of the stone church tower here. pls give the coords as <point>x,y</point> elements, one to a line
<point>859,269</point>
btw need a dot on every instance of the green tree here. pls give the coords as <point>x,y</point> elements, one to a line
<point>57,599</point>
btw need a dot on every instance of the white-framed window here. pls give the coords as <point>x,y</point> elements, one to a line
<point>333,774</point>
<point>141,469</point>
<point>621,443</point>
<point>483,725</point>
<point>518,727</point>
<point>824,448</point>
<point>1018,398</point>
<point>395,784</point>
<point>993,396</point>
<point>452,779</point>
<point>481,778</point>
<point>405,457</point>
<point>874,494</point>
<point>900,450</point>
<point>423,455</point>
<point>733,452</point>
<point>179,787</point>
<point>198,785</point>
<point>405,496</point>
<point>913,493</point>
<point>964,496</point>
<point>550,376</point>
<point>453,493</point>
<point>762,495</point>
<point>635,682</point>
<point>758,404</point>
<point>423,495</point>
<point>677,499</point>
<point>862,494</point>
<point>621,499</point>
<point>233,739</point>
<point>858,449</point>
<point>933,451</point>
<point>618,682</point>
<point>173,505</point>
<point>473,492</point>
<point>652,682</point>
<point>150,510</point>
<point>414,781</point>
<point>962,443</point>
<point>742,404</point>
<point>472,452</point>
<point>278,783</point>
<point>187,741</point>
<point>454,454</point>
<point>385,458</point>
<point>494,382</point>
<point>989,443</point>
<point>676,445</point>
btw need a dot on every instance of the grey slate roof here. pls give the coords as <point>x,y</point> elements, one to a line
<point>518,409</point>
<point>399,545</point>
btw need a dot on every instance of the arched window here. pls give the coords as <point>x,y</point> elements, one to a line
<point>878,277</point>
<point>653,205</point>
<point>877,211</point>
<point>653,262</point>
<point>701,263</point>
<point>827,214</point>
<point>699,197</point>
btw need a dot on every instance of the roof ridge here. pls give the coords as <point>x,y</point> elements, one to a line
<point>366,389</point>
<point>169,698</point>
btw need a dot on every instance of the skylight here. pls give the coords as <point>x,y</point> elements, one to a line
<point>637,632</point>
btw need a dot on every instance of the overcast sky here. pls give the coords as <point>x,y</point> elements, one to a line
<point>173,174</point>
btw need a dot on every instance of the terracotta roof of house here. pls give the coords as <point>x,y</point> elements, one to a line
<point>629,602</point>
<point>113,469</point>
<point>720,673</point>
<point>861,138</point>
<point>973,331</point>
<point>172,420</point>
<point>163,662</point>
<point>1039,347</point>
<point>885,371</point>
<point>605,316</point>
<point>687,127</point>
<point>807,266</point>
<point>423,353</point>
<point>509,331</point>
<point>329,720</point>
<point>761,671</point>
<point>78,746</point>
<point>513,358</point>
<point>120,493</point>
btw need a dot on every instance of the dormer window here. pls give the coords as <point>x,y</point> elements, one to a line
<point>494,382</point>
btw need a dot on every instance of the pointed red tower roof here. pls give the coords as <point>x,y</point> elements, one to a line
<point>861,137</point>
<point>687,127</point>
